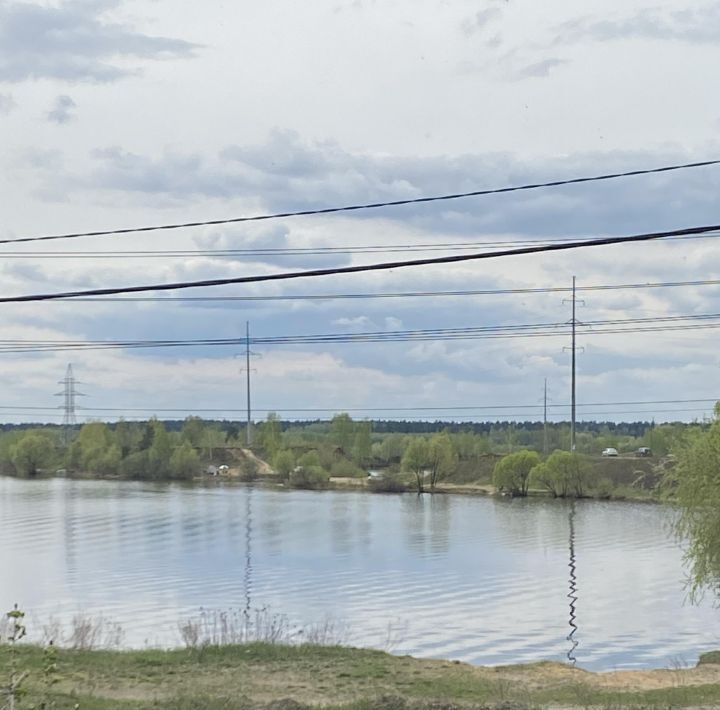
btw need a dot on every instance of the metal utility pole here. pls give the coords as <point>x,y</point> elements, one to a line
<point>572,403</point>
<point>247,355</point>
<point>573,350</point>
<point>247,370</point>
<point>545,436</point>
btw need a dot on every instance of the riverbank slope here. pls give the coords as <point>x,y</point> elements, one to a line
<point>261,675</point>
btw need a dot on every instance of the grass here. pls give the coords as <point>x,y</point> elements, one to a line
<point>263,675</point>
<point>712,657</point>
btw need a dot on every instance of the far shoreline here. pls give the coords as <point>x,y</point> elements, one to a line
<point>341,484</point>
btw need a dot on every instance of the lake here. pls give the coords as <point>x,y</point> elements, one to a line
<point>481,580</point>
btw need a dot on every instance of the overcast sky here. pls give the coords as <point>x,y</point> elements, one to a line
<point>119,114</point>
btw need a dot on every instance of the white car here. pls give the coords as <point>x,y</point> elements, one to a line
<point>609,452</point>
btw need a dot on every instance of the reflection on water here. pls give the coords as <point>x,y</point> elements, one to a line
<point>572,595</point>
<point>248,550</point>
<point>474,579</point>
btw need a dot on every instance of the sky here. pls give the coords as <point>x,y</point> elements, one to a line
<point>117,114</point>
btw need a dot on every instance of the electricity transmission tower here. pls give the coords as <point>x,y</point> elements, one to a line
<point>68,394</point>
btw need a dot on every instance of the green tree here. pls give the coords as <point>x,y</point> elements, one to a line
<point>159,454</point>
<point>342,431</point>
<point>271,435</point>
<point>31,453</point>
<point>310,458</point>
<point>135,465</point>
<point>146,439</point>
<point>284,463</point>
<point>310,477</point>
<point>441,458</point>
<point>127,437</point>
<point>697,490</point>
<point>109,463</point>
<point>511,473</point>
<point>91,446</point>
<point>213,438</point>
<point>563,474</point>
<point>184,462</point>
<point>469,446</point>
<point>192,431</point>
<point>417,459</point>
<point>362,449</point>
<point>393,447</point>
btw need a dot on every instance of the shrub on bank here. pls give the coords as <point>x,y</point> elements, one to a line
<point>249,470</point>
<point>563,474</point>
<point>284,463</point>
<point>309,477</point>
<point>387,484</point>
<point>511,473</point>
<point>343,468</point>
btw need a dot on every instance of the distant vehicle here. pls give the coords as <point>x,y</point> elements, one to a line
<point>609,452</point>
<point>643,451</point>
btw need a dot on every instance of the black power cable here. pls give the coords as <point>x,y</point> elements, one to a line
<point>367,206</point>
<point>385,266</point>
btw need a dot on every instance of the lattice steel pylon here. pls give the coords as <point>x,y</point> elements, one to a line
<point>69,394</point>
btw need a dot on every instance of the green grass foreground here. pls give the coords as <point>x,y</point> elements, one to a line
<point>276,677</point>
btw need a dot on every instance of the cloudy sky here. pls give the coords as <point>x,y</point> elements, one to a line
<point>121,114</point>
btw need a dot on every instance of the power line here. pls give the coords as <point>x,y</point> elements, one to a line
<point>536,417</point>
<point>385,266</point>
<point>457,408</point>
<point>367,206</point>
<point>527,330</point>
<point>296,251</point>
<point>402,294</point>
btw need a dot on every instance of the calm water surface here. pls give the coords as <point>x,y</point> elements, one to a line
<point>474,579</point>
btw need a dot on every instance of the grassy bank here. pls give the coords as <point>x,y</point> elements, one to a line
<point>292,677</point>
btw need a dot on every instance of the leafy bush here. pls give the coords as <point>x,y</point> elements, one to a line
<point>184,462</point>
<point>603,488</point>
<point>512,472</point>
<point>309,477</point>
<point>284,463</point>
<point>311,458</point>
<point>387,484</point>
<point>564,474</point>
<point>135,465</point>
<point>31,453</point>
<point>343,468</point>
<point>249,470</point>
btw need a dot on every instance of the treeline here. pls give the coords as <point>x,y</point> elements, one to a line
<point>130,450</point>
<point>308,454</point>
<point>501,437</point>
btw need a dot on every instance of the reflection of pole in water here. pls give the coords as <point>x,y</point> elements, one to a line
<point>248,550</point>
<point>572,596</point>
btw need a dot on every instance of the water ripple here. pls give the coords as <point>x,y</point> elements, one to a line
<point>472,579</point>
